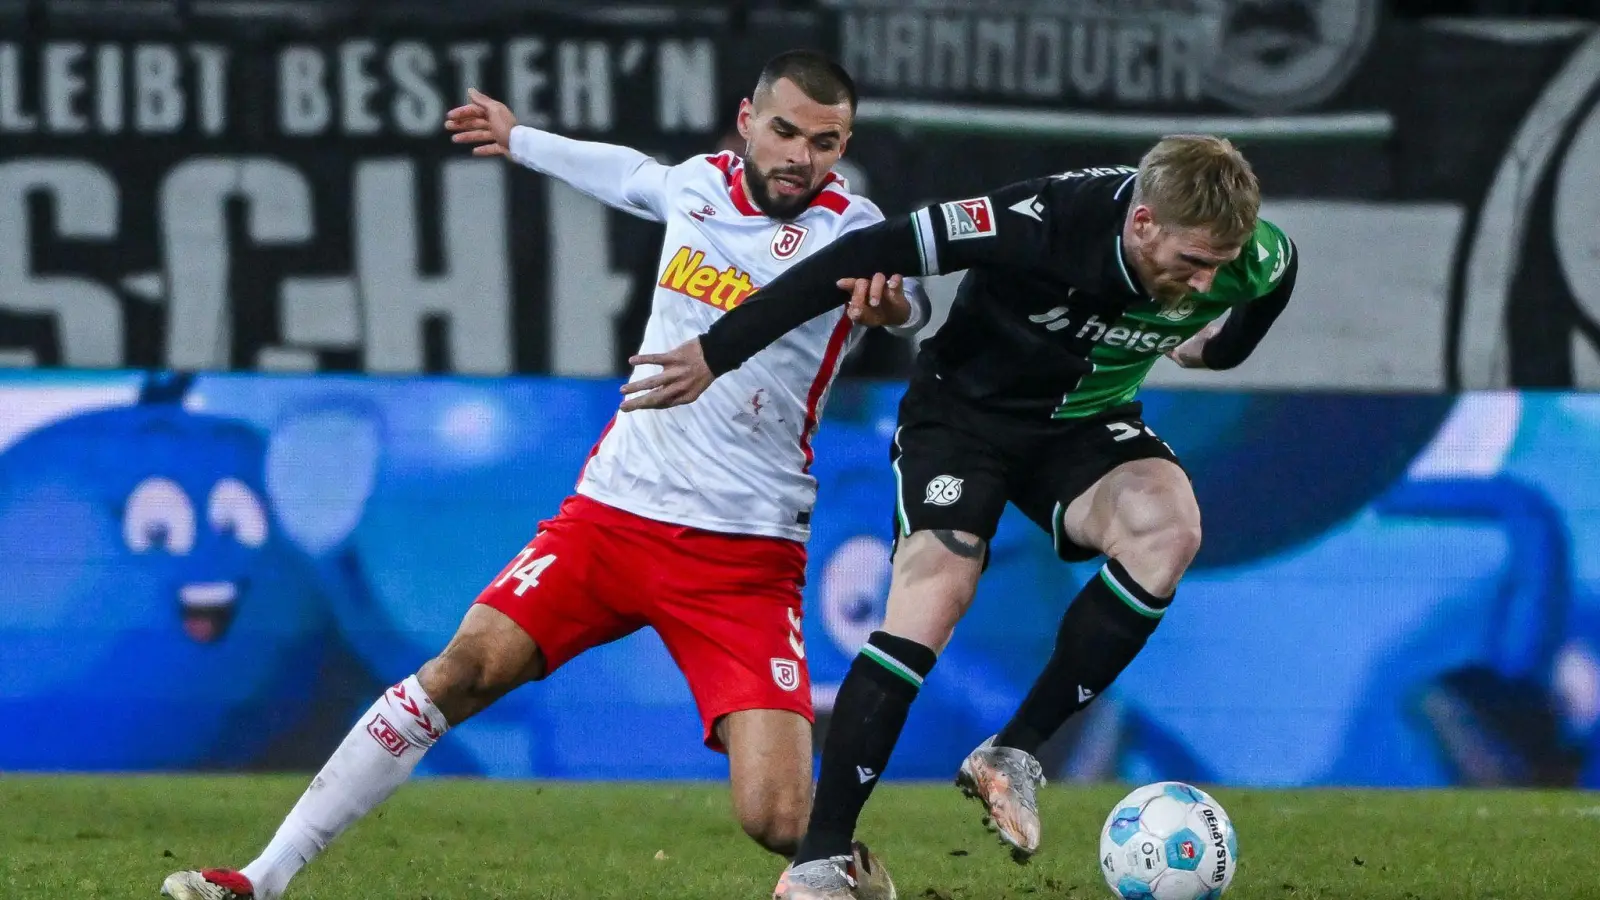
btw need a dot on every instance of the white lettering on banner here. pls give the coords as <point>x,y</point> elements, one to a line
<point>585,86</point>
<point>474,294</point>
<point>196,251</point>
<point>303,104</point>
<point>586,296</point>
<point>158,106</point>
<point>687,86</point>
<point>381,309</point>
<point>358,87</point>
<point>13,118</point>
<point>75,87</point>
<point>418,107</point>
<point>1127,57</point>
<point>64,86</point>
<point>211,69</point>
<point>525,81</point>
<point>88,319</point>
<point>1106,52</point>
<point>108,89</point>
<point>468,59</point>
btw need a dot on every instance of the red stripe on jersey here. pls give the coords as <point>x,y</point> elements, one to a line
<point>830,362</point>
<point>833,201</point>
<point>595,450</point>
<point>731,173</point>
<point>741,200</point>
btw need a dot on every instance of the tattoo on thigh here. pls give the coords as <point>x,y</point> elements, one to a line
<point>955,544</point>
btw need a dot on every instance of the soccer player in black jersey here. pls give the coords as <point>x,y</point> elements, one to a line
<point>1076,285</point>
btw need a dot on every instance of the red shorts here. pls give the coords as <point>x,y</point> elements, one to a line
<point>726,606</point>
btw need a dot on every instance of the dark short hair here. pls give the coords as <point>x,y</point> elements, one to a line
<point>815,74</point>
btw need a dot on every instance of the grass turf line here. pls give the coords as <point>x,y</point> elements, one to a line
<point>455,840</point>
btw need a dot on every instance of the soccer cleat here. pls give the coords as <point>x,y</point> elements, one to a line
<point>1006,781</point>
<point>859,876</point>
<point>212,884</point>
<point>872,879</point>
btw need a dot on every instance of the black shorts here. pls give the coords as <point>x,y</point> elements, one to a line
<point>956,467</point>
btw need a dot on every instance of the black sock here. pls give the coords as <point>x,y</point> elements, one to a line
<point>867,717</point>
<point>1103,630</point>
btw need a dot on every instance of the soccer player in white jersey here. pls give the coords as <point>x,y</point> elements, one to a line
<point>690,520</point>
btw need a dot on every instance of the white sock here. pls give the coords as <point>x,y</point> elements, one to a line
<point>376,757</point>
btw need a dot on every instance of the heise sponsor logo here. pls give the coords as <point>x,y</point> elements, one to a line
<point>688,274</point>
<point>1116,336</point>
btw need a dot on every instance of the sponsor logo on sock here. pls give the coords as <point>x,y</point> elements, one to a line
<point>387,736</point>
<point>1084,694</point>
<point>865,774</point>
<point>414,709</point>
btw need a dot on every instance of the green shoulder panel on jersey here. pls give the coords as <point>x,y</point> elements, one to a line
<point>1257,270</point>
<point>1126,350</point>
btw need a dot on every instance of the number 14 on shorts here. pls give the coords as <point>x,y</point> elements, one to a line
<point>526,571</point>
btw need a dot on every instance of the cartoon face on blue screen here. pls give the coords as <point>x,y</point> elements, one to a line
<point>148,582</point>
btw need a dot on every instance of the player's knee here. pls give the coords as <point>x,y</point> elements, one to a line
<point>935,578</point>
<point>470,675</point>
<point>777,820</point>
<point>1157,557</point>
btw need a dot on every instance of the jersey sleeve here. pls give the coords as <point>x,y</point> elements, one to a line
<point>1009,227</point>
<point>809,289</point>
<point>1249,322</point>
<point>921,306</point>
<point>619,177</point>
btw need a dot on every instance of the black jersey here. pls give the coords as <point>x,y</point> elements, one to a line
<point>1049,320</point>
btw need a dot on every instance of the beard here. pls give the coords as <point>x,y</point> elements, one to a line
<point>769,201</point>
<point>1164,291</point>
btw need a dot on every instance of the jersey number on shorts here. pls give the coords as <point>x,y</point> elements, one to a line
<point>526,571</point>
<point>1124,432</point>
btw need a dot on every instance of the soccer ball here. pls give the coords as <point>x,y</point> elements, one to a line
<point>1168,841</point>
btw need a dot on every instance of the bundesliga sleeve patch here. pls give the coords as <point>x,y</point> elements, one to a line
<point>964,219</point>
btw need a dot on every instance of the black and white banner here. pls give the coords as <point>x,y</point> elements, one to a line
<point>217,203</point>
<point>224,202</point>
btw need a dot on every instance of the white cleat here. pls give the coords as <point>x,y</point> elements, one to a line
<point>212,884</point>
<point>1006,781</point>
<point>859,876</point>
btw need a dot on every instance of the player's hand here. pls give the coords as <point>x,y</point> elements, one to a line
<point>485,121</point>
<point>879,300</point>
<point>684,376</point>
<point>1188,353</point>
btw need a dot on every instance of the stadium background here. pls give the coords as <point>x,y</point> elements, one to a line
<point>406,354</point>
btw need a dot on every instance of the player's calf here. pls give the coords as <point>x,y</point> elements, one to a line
<point>488,657</point>
<point>769,772</point>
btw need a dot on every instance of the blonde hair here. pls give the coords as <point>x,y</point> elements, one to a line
<point>1200,181</point>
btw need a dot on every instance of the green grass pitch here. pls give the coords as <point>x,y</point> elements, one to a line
<point>455,840</point>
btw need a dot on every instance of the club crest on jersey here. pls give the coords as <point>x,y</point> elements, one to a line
<point>787,240</point>
<point>785,673</point>
<point>966,219</point>
<point>1183,310</point>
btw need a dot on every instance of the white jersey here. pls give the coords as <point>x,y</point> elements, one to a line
<point>738,458</point>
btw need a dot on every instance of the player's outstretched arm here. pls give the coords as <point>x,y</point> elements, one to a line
<point>620,177</point>
<point>808,290</point>
<point>1225,345</point>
